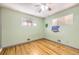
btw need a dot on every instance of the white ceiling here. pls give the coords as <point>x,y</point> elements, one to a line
<point>33,8</point>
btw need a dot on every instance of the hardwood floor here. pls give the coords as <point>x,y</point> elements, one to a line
<point>40,47</point>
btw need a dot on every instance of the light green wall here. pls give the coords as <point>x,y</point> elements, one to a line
<point>12,30</point>
<point>69,34</point>
<point>0,28</point>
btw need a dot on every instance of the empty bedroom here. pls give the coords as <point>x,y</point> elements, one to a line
<point>39,29</point>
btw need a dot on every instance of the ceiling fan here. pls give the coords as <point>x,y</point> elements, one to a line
<point>43,7</point>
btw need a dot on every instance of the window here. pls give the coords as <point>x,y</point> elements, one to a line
<point>28,23</point>
<point>64,20</point>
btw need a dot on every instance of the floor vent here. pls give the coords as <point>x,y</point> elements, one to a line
<point>59,41</point>
<point>28,39</point>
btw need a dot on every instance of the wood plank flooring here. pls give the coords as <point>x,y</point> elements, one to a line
<point>40,47</point>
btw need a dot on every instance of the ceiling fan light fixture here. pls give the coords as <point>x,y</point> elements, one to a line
<point>44,7</point>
